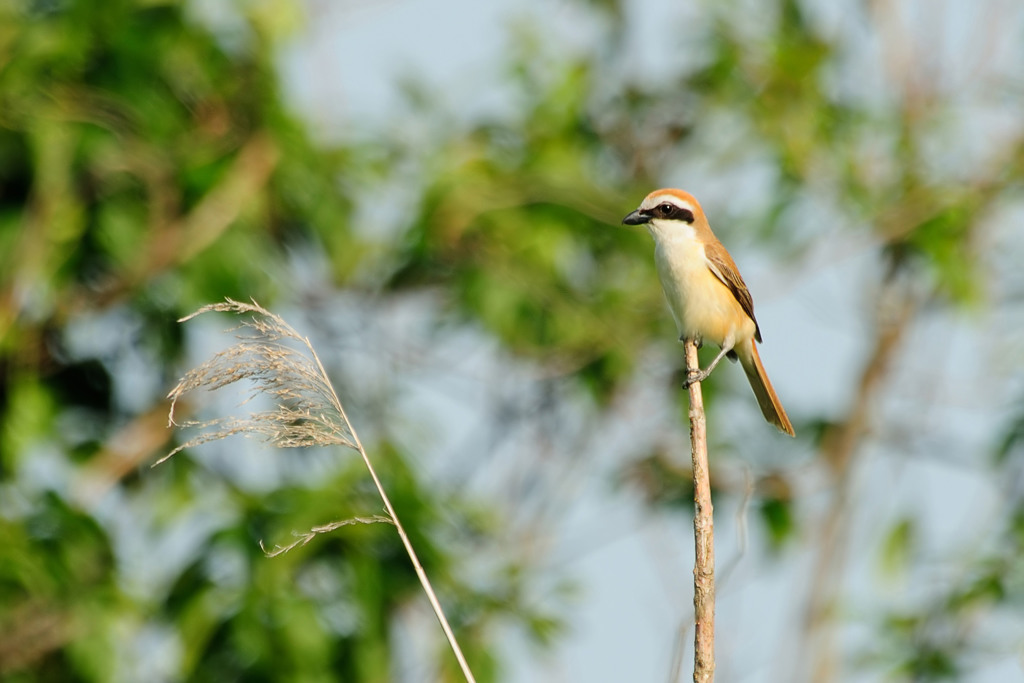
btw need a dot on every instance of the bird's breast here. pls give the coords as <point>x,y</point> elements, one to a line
<point>702,306</point>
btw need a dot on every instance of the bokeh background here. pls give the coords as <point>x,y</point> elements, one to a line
<point>432,192</point>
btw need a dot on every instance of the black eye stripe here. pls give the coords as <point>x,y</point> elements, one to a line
<point>670,211</point>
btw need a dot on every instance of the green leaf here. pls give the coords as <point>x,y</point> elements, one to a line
<point>898,547</point>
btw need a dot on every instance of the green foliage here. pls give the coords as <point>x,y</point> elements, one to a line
<point>144,142</point>
<point>897,547</point>
<point>778,520</point>
<point>940,639</point>
<point>519,225</point>
<point>148,165</point>
<point>145,170</point>
<point>1013,441</point>
<point>56,588</point>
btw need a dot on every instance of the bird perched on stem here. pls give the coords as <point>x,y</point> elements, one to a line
<point>708,298</point>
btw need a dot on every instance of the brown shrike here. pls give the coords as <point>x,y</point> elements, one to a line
<point>705,292</point>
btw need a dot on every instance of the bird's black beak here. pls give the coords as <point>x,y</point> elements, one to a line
<point>636,218</point>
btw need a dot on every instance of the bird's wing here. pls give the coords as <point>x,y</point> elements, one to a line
<point>724,268</point>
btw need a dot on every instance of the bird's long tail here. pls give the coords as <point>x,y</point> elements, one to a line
<point>771,407</point>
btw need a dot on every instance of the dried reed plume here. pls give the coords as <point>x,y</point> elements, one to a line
<point>306,412</point>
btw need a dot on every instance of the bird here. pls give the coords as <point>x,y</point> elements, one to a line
<point>705,292</point>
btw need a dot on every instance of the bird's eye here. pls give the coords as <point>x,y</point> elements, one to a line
<point>665,208</point>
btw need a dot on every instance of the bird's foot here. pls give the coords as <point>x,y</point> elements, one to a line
<point>694,376</point>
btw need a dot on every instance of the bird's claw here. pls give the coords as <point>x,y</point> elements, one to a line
<point>694,376</point>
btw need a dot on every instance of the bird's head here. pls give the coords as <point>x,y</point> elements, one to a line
<point>663,210</point>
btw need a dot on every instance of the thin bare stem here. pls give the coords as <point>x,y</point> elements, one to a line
<point>420,573</point>
<point>306,412</point>
<point>703,533</point>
